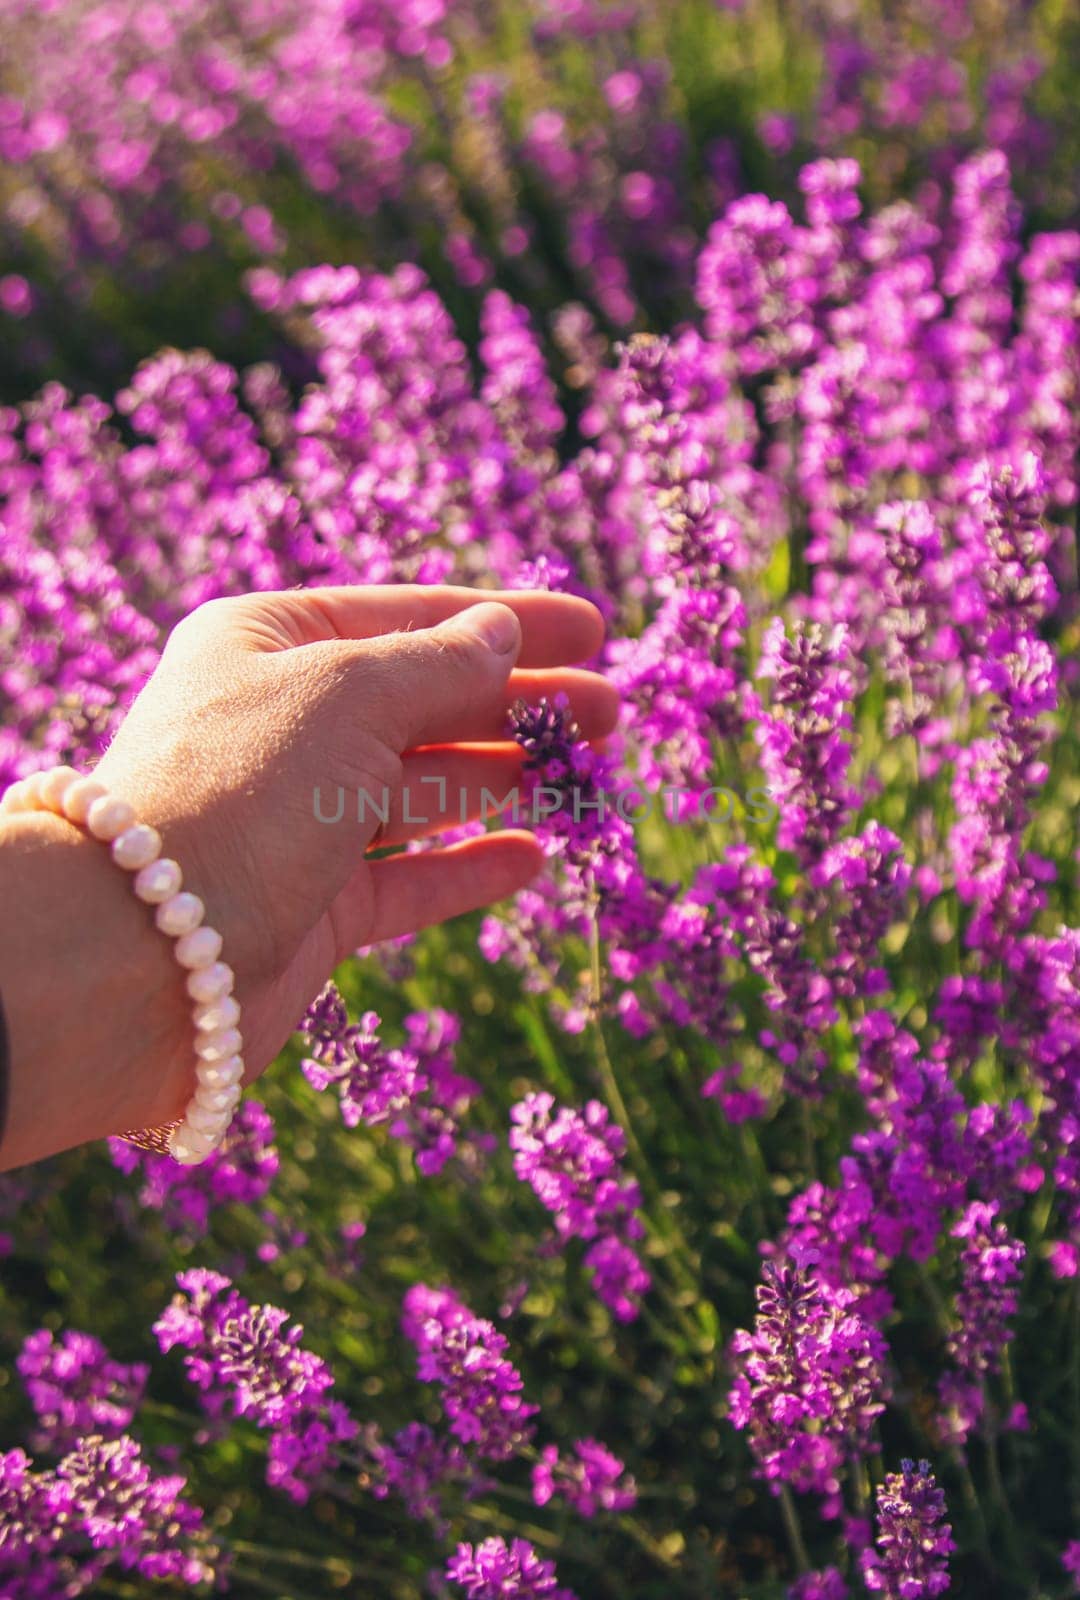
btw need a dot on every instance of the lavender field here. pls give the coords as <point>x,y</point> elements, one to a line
<point>705,1223</point>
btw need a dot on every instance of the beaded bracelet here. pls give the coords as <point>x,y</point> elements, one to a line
<point>136,848</point>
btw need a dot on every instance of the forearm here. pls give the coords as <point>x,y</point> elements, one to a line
<point>97,1019</point>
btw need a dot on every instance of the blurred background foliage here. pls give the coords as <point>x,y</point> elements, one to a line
<point>435,161</point>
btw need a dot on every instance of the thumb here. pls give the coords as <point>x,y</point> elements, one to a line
<point>443,684</point>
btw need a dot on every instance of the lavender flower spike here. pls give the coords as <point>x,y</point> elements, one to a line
<point>497,1571</point>
<point>913,1538</point>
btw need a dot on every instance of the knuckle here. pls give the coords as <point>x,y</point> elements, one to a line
<point>379,766</point>
<point>212,616</point>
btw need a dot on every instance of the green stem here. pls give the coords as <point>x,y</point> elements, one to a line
<point>860,1480</point>
<point>159,1408</point>
<point>809,1150</point>
<point>271,1552</point>
<point>993,1471</point>
<point>543,1537</point>
<point>1013,1543</point>
<point>941,1313</point>
<point>1008,1382</point>
<point>607,1071</point>
<point>252,1577</point>
<point>974,1506</point>
<point>793,1531</point>
<point>912,741</point>
<point>680,1257</point>
<point>645,1541</point>
<point>754,1164</point>
<point>332,1567</point>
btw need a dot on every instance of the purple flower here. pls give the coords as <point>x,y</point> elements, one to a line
<point>122,1507</point>
<point>680,681</point>
<point>62,1529</point>
<point>831,1227</point>
<point>809,1383</point>
<point>76,1388</point>
<point>991,1266</point>
<point>480,1389</point>
<point>36,1556</point>
<point>414,1090</point>
<point>910,1561</point>
<point>239,1173</point>
<point>572,1162</point>
<point>864,880</point>
<point>374,1084</point>
<point>517,385</point>
<point>495,1570</point>
<point>1070,1560</point>
<point>619,1276</point>
<point>245,1360</point>
<point>674,401</point>
<point>433,1123</point>
<point>804,751</point>
<point>590,1483</point>
<point>566,782</point>
<point>824,1585</point>
<point>757,288</point>
<point>416,1466</point>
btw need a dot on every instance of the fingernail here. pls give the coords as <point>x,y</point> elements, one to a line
<point>496,625</point>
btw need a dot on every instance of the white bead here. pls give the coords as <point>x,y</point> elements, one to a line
<point>80,797</point>
<point>222,1099</point>
<point>136,847</point>
<point>159,881</point>
<point>184,1153</point>
<point>210,983</point>
<point>180,915</point>
<point>220,1074</point>
<point>202,1142</point>
<point>31,792</point>
<point>200,948</point>
<point>14,798</point>
<point>192,1136</point>
<point>218,1099</point>
<point>219,1014</point>
<point>219,1046</point>
<point>203,1120</point>
<point>55,785</point>
<point>109,817</point>
<point>213,1135</point>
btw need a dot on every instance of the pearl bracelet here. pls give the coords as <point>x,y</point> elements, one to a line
<point>136,848</point>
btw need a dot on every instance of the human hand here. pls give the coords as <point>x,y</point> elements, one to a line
<point>258,700</point>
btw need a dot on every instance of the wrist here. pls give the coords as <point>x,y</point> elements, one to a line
<point>98,1022</point>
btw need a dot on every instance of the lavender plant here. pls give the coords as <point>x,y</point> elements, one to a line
<point>708,1221</point>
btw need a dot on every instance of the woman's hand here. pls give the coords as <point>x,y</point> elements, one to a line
<point>362,694</point>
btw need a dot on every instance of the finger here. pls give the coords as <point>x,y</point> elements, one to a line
<point>414,891</point>
<point>593,705</point>
<point>444,787</point>
<point>555,628</point>
<point>453,683</point>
